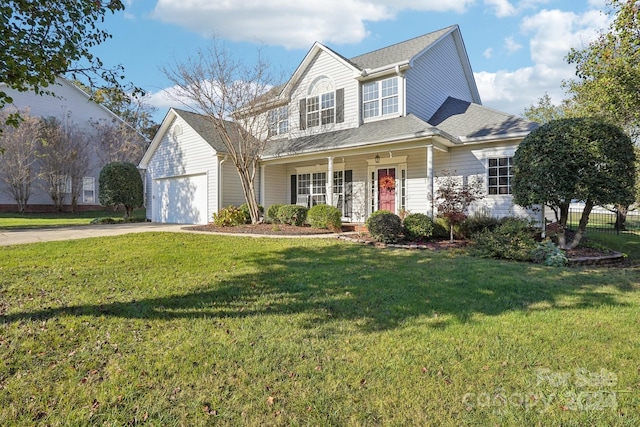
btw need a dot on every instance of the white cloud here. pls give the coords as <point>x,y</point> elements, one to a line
<point>511,45</point>
<point>290,23</point>
<point>501,8</point>
<point>552,34</point>
<point>488,53</point>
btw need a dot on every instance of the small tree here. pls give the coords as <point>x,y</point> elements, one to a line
<point>231,94</point>
<point>120,183</point>
<point>582,159</point>
<point>17,164</point>
<point>455,196</point>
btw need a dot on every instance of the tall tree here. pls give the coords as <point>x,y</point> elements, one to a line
<point>581,159</point>
<point>118,142</point>
<point>42,39</point>
<point>545,110</point>
<point>17,165</point>
<point>120,183</point>
<point>608,83</point>
<point>229,91</point>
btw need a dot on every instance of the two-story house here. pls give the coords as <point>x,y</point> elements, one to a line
<point>367,133</point>
<point>69,104</point>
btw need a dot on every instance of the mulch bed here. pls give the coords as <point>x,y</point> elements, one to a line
<point>445,244</point>
<point>265,229</point>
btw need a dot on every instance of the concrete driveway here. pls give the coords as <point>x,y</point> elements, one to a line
<point>17,237</point>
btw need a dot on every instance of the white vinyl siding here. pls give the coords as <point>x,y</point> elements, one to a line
<point>342,78</point>
<point>436,75</point>
<point>183,155</point>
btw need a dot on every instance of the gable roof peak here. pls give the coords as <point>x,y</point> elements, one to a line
<point>400,52</point>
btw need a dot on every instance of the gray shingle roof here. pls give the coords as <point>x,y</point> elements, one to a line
<point>464,119</point>
<point>368,133</point>
<point>399,52</point>
<point>203,126</point>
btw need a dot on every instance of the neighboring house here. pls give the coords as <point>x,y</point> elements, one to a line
<point>367,133</point>
<point>68,104</point>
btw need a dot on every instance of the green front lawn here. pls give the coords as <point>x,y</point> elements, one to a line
<point>10,221</point>
<point>181,329</point>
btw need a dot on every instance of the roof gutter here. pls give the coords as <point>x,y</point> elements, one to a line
<point>396,68</point>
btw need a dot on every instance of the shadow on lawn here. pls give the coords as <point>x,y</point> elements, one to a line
<point>379,289</point>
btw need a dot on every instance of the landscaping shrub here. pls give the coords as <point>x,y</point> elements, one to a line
<point>440,229</point>
<point>417,226</point>
<point>103,220</point>
<point>120,183</point>
<point>513,239</point>
<point>272,213</point>
<point>325,216</point>
<point>477,223</point>
<point>292,214</point>
<point>230,216</point>
<point>245,208</point>
<point>385,227</point>
<point>548,253</point>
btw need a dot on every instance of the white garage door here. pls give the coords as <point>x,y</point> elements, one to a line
<point>180,200</point>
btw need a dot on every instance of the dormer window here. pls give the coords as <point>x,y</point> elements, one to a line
<point>323,106</point>
<point>380,98</point>
<point>278,121</point>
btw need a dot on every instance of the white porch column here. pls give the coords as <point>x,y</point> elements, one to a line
<point>430,187</point>
<point>330,181</point>
<point>261,197</point>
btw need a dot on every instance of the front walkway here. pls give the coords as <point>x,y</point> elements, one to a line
<point>35,235</point>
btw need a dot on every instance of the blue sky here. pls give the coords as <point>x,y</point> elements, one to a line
<point>516,47</point>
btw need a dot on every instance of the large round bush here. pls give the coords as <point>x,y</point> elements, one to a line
<point>385,227</point>
<point>272,213</point>
<point>417,226</point>
<point>292,214</point>
<point>325,216</point>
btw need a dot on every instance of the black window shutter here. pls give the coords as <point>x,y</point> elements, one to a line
<point>348,193</point>
<point>294,189</point>
<point>303,114</point>
<point>339,105</point>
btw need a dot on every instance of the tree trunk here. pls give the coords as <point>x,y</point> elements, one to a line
<point>584,219</point>
<point>246,179</point>
<point>562,225</point>
<point>621,218</point>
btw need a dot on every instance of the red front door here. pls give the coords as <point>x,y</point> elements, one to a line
<point>387,189</point>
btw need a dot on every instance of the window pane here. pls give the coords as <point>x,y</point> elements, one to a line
<point>370,91</point>
<point>328,100</point>
<point>304,184</point>
<point>390,87</point>
<point>390,105</point>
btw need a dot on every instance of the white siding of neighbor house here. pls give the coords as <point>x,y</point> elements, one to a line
<point>69,103</point>
<point>183,155</point>
<point>325,64</point>
<point>435,75</point>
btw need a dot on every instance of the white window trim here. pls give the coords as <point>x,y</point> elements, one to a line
<point>493,154</point>
<point>93,189</point>
<point>380,115</point>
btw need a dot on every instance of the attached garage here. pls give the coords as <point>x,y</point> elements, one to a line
<point>181,200</point>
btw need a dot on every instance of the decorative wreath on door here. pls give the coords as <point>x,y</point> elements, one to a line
<point>387,182</point>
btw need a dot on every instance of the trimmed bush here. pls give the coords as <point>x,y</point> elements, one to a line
<point>417,226</point>
<point>513,239</point>
<point>385,227</point>
<point>548,253</point>
<point>272,213</point>
<point>245,208</point>
<point>231,216</point>
<point>440,229</point>
<point>325,216</point>
<point>120,183</point>
<point>292,214</point>
<point>477,223</point>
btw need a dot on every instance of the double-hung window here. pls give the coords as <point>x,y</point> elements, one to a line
<point>312,188</point>
<point>380,98</point>
<point>500,175</point>
<point>278,121</point>
<point>89,189</point>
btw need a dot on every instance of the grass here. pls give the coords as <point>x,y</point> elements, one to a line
<point>181,329</point>
<point>9,221</point>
